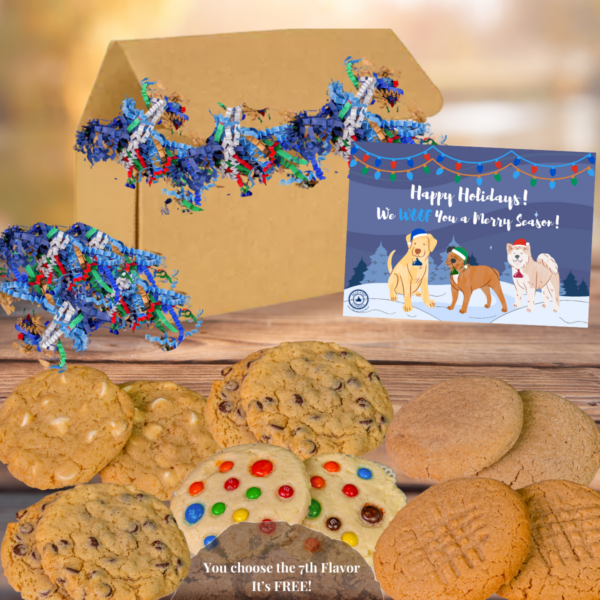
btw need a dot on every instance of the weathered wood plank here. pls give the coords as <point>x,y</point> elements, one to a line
<point>581,385</point>
<point>232,336</point>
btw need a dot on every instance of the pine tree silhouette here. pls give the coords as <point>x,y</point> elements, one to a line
<point>377,271</point>
<point>359,272</point>
<point>472,260</point>
<point>562,291</point>
<point>507,274</point>
<point>583,288</point>
<point>570,285</point>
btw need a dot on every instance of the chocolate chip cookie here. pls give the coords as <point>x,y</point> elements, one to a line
<point>316,397</point>
<point>112,541</point>
<point>60,429</point>
<point>225,414</point>
<point>169,438</point>
<point>558,441</point>
<point>21,557</point>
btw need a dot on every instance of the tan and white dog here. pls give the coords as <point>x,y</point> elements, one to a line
<point>412,271</point>
<point>531,275</point>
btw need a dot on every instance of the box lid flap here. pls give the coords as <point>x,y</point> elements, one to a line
<point>285,68</point>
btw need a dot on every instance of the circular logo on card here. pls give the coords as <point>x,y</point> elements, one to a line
<point>358,300</point>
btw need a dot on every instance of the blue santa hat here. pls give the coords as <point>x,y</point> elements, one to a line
<point>417,233</point>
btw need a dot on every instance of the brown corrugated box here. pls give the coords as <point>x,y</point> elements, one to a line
<point>283,243</point>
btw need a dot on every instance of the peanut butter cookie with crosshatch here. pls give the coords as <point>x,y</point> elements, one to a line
<point>21,557</point>
<point>316,397</point>
<point>169,438</point>
<point>459,540</point>
<point>112,541</point>
<point>225,413</point>
<point>60,429</point>
<point>564,559</point>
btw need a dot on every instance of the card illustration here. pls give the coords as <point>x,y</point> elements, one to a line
<point>514,226</point>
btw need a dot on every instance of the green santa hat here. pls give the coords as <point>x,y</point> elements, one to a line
<point>463,254</point>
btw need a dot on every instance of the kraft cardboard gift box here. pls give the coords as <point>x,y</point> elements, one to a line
<point>282,243</point>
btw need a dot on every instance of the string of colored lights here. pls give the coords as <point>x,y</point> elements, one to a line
<point>458,165</point>
<point>589,157</point>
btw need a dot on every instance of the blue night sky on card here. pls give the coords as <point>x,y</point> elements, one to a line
<point>569,242</point>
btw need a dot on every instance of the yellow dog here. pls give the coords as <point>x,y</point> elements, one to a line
<point>412,272</point>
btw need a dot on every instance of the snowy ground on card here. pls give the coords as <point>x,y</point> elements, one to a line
<point>574,311</point>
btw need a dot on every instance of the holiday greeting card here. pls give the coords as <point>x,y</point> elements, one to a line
<point>478,235</point>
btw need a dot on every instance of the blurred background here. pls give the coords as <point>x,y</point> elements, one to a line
<point>513,74</point>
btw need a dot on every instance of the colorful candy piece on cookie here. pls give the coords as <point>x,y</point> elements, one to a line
<point>315,398</point>
<point>254,483</point>
<point>353,500</point>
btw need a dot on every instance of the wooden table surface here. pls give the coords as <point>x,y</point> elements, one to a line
<point>410,356</point>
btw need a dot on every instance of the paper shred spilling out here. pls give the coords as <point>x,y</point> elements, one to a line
<point>247,155</point>
<point>86,280</point>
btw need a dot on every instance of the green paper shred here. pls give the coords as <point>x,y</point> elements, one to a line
<point>133,125</point>
<point>344,110</point>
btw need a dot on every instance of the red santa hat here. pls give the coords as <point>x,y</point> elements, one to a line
<point>521,242</point>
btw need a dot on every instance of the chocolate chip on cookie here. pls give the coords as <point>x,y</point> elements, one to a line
<point>321,398</point>
<point>104,553</point>
<point>225,414</point>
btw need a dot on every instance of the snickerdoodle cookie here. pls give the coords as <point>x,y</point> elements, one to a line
<point>455,428</point>
<point>558,441</point>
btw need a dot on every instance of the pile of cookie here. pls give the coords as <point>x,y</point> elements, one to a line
<point>481,426</point>
<point>466,539</point>
<point>95,541</point>
<point>513,515</point>
<point>280,438</point>
<point>345,497</point>
<point>308,400</point>
<point>61,429</point>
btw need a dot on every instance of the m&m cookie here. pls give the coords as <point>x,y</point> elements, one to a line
<point>254,483</point>
<point>353,500</point>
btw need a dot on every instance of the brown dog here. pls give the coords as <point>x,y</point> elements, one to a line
<point>467,278</point>
<point>411,273</point>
